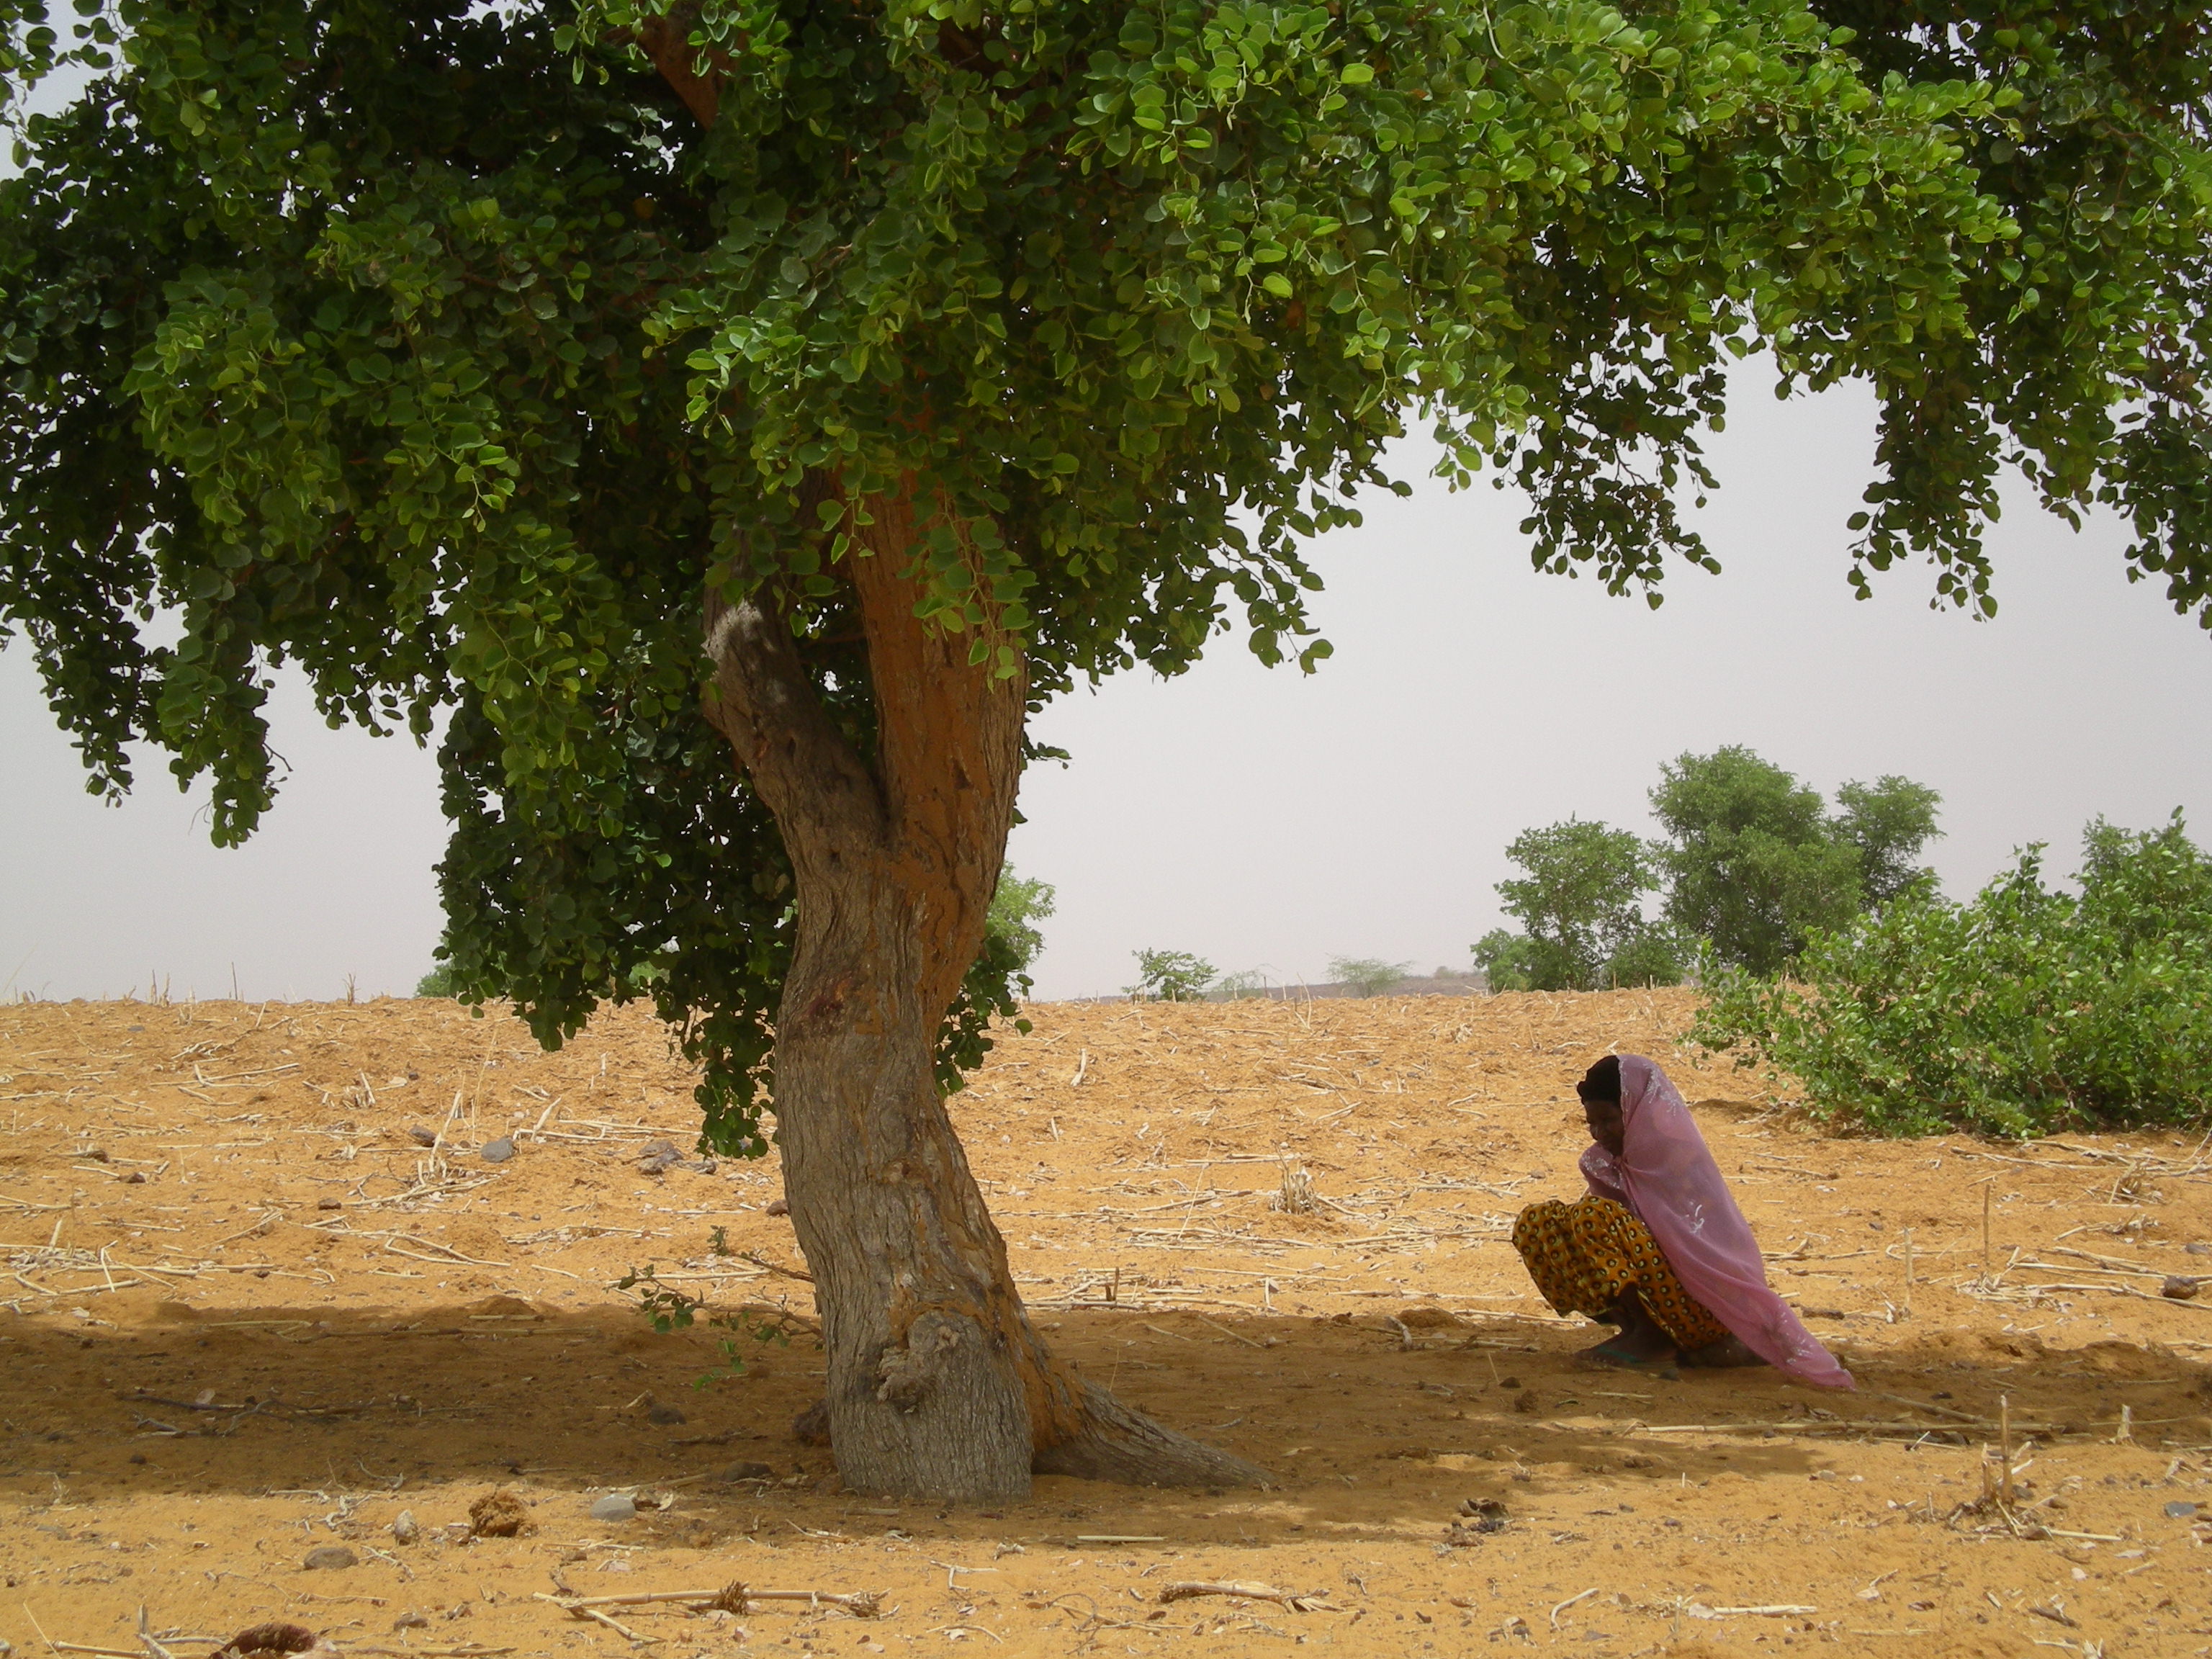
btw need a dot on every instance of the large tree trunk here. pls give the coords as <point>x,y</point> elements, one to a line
<point>937,1384</point>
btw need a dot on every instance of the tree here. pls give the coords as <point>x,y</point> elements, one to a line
<point>1009,925</point>
<point>1170,976</point>
<point>1888,821</point>
<point>732,417</point>
<point>1366,976</point>
<point>1581,906</point>
<point>1754,864</point>
<point>1513,962</point>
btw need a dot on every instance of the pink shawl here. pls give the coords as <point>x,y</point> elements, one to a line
<point>1668,1180</point>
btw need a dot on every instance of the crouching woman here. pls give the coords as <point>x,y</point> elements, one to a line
<point>1657,1247</point>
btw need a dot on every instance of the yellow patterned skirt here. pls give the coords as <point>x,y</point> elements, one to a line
<point>1583,1255</point>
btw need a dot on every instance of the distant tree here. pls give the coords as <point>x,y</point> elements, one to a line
<point>438,982</point>
<point>1244,982</point>
<point>1009,925</point>
<point>1511,962</point>
<point>1889,821</point>
<point>1366,976</point>
<point>1753,863</point>
<point>1581,906</point>
<point>1170,976</point>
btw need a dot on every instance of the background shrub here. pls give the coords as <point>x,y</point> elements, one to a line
<point>2026,1010</point>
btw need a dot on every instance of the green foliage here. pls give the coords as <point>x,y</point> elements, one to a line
<point>1753,865</point>
<point>1366,976</point>
<point>1581,906</point>
<point>668,1310</point>
<point>1888,821</point>
<point>436,348</point>
<point>438,982</point>
<point>1513,962</point>
<point>1016,906</point>
<point>1170,976</point>
<point>2024,1011</point>
<point>1244,983</point>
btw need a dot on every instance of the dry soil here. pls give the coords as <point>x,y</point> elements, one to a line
<point>251,1317</point>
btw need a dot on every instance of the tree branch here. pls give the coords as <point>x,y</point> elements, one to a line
<point>667,39</point>
<point>764,702</point>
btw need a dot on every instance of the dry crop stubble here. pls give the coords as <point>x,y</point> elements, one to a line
<point>250,1315</point>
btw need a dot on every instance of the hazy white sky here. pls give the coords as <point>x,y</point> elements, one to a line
<point>1264,819</point>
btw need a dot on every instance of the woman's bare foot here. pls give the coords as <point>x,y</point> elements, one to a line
<point>1640,1340</point>
<point>1723,1355</point>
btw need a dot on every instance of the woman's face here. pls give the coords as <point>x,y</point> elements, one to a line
<point>1607,1125</point>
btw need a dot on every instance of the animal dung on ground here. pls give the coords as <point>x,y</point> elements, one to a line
<point>1429,1319</point>
<point>501,1513</point>
<point>330,1558</point>
<point>275,1641</point>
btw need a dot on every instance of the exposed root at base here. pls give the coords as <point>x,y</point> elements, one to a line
<point>1121,1445</point>
<point>1116,1445</point>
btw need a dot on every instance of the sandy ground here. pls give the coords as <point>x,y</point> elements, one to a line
<point>251,1317</point>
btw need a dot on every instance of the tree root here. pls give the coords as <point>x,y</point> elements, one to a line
<point>1117,1443</point>
<point>1114,1443</point>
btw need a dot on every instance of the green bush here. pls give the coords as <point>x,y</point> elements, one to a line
<point>438,982</point>
<point>1170,976</point>
<point>2026,1011</point>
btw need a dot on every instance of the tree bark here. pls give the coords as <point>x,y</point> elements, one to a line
<point>937,1384</point>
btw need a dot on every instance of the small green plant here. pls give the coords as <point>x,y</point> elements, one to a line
<point>1366,976</point>
<point>718,1243</point>
<point>668,1310</point>
<point>1170,976</point>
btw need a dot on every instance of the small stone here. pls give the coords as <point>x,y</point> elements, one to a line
<point>748,1472</point>
<point>330,1204</point>
<point>406,1529</point>
<point>615,1506</point>
<point>421,1136</point>
<point>2179,1287</point>
<point>666,1416</point>
<point>497,1151</point>
<point>330,1558</point>
<point>2200,1248</point>
<point>777,1206</point>
<point>2180,1510</point>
